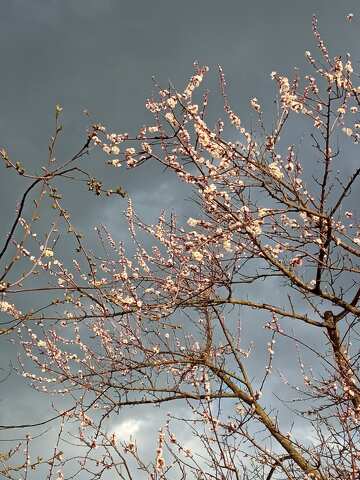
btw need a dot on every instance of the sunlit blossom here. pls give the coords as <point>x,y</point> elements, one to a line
<point>198,256</point>
<point>192,222</point>
<point>275,170</point>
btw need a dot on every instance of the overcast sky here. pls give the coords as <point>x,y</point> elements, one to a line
<point>101,55</point>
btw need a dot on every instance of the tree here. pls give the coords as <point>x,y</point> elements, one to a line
<point>272,244</point>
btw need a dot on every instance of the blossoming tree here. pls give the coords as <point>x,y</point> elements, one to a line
<point>192,312</point>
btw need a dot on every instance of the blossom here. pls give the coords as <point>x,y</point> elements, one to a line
<point>130,151</point>
<point>147,148</point>
<point>115,162</point>
<point>234,119</point>
<point>171,119</point>
<point>197,256</point>
<point>254,228</point>
<point>160,463</point>
<point>348,67</point>
<point>41,343</point>
<point>210,188</point>
<point>115,150</point>
<point>262,212</point>
<point>227,246</point>
<point>192,222</point>
<point>348,131</point>
<point>171,102</point>
<point>296,261</point>
<point>9,309</point>
<point>239,409</point>
<point>128,300</point>
<point>48,252</point>
<point>193,109</point>
<point>255,104</point>
<point>6,306</point>
<point>275,170</point>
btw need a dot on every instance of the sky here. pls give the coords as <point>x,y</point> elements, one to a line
<point>102,55</point>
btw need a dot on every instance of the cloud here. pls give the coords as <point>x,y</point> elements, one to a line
<point>128,428</point>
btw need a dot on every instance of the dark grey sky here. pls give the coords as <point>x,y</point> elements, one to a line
<point>100,55</point>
